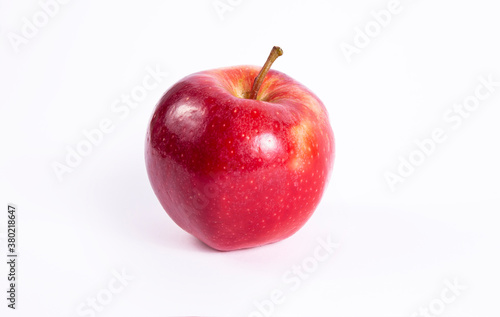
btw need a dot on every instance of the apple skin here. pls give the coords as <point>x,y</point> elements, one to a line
<point>239,173</point>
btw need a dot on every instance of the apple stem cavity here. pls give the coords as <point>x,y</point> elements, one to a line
<point>275,53</point>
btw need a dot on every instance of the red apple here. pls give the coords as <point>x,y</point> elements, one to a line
<point>239,157</point>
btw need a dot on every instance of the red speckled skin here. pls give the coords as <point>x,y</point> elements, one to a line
<point>234,172</point>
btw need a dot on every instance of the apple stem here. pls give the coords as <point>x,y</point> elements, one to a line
<point>275,53</point>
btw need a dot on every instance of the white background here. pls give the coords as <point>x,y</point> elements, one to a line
<point>397,248</point>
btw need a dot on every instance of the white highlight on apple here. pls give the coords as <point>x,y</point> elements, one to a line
<point>295,276</point>
<point>40,19</point>
<point>222,7</point>
<point>266,144</point>
<point>363,36</point>
<point>455,116</point>
<point>448,295</point>
<point>185,120</point>
<point>96,304</point>
<point>95,136</point>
